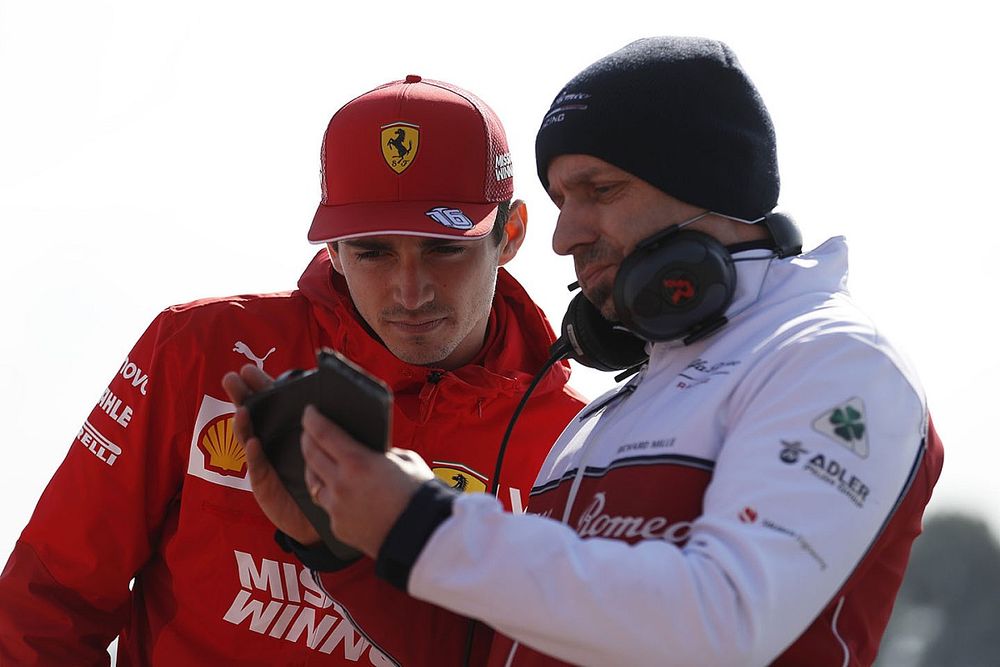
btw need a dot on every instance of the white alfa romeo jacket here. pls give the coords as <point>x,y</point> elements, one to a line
<point>745,500</point>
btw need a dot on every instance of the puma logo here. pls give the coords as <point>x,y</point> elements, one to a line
<point>245,350</point>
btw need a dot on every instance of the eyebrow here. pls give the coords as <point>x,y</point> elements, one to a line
<point>584,175</point>
<point>362,244</point>
<point>436,242</point>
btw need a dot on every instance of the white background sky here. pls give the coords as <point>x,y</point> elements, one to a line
<point>154,153</point>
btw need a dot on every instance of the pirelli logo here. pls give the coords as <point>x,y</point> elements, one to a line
<point>99,445</point>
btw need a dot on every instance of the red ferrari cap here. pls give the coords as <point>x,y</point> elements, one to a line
<point>416,157</point>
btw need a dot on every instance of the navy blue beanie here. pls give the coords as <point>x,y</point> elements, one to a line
<point>679,113</point>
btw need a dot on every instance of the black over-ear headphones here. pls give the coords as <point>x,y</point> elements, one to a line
<point>677,284</point>
<point>596,342</point>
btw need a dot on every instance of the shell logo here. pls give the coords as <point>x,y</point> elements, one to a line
<point>223,453</point>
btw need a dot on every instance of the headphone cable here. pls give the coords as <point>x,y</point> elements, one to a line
<point>559,352</point>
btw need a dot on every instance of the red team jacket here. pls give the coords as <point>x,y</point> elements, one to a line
<point>154,488</point>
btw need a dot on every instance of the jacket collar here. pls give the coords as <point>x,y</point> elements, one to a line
<point>765,278</point>
<point>517,343</point>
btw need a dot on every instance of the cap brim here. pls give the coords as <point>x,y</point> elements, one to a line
<point>409,218</point>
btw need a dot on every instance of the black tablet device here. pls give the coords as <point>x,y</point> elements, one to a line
<point>347,395</point>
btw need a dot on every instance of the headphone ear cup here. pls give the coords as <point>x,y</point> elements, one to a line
<point>596,342</point>
<point>675,286</point>
<point>785,234</point>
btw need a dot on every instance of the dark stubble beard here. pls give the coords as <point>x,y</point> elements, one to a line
<point>600,294</point>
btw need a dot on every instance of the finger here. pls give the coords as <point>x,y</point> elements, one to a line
<point>326,434</point>
<point>235,387</point>
<point>320,475</point>
<point>316,495</point>
<point>255,378</point>
<point>315,485</point>
<point>258,465</point>
<point>256,458</point>
<point>255,453</point>
<point>311,478</point>
<point>242,425</point>
<point>318,461</point>
<point>404,454</point>
<point>411,462</point>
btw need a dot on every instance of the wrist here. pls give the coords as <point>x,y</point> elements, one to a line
<point>429,507</point>
<point>315,556</point>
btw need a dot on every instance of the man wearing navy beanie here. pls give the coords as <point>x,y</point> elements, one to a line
<point>681,114</point>
<point>750,495</point>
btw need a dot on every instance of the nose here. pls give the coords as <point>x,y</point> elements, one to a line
<point>413,283</point>
<point>574,227</point>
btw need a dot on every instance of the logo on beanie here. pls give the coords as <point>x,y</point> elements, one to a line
<point>450,217</point>
<point>399,145</point>
<point>564,102</point>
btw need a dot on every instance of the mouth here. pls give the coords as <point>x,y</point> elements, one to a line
<point>416,326</point>
<point>589,275</point>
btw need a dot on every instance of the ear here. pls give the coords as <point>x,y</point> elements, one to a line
<point>514,231</point>
<point>331,249</point>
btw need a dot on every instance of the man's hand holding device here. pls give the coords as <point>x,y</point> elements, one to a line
<point>269,422</point>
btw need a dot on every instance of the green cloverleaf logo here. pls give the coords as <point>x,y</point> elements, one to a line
<point>847,423</point>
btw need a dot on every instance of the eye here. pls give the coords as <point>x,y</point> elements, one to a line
<point>368,255</point>
<point>449,250</point>
<point>605,190</point>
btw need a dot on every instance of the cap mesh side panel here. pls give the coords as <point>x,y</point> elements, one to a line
<point>493,190</point>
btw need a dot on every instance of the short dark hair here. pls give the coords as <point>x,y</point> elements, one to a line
<point>496,234</point>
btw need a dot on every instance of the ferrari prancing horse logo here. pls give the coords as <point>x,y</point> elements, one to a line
<point>459,477</point>
<point>399,145</point>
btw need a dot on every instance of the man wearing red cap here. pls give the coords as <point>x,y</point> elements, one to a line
<point>149,530</point>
